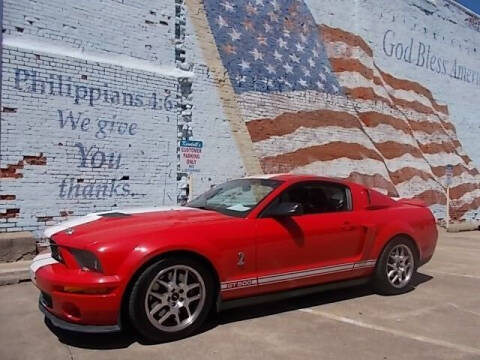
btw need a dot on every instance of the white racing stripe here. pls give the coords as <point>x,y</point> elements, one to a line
<point>264,280</point>
<point>49,231</point>
<point>295,275</point>
<point>40,261</point>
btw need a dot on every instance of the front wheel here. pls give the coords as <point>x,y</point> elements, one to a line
<point>396,267</point>
<point>171,299</point>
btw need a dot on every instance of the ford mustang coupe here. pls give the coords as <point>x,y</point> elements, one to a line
<point>164,269</point>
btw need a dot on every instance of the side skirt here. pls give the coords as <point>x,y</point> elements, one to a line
<point>260,299</point>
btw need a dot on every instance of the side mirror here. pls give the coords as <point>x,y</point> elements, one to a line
<point>285,209</point>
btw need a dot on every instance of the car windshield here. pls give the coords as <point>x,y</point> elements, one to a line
<point>236,197</point>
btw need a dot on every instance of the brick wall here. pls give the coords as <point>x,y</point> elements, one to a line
<point>98,95</point>
<point>89,109</point>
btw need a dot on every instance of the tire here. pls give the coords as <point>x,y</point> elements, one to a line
<point>162,307</point>
<point>396,267</point>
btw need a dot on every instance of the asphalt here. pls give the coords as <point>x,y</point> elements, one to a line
<point>439,319</point>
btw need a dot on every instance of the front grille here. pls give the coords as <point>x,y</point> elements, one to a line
<point>55,251</point>
<point>46,300</point>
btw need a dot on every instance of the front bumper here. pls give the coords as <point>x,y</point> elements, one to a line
<point>62,324</point>
<point>77,311</point>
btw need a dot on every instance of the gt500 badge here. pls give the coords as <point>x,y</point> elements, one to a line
<point>231,285</point>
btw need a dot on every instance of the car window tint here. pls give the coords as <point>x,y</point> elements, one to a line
<point>318,197</point>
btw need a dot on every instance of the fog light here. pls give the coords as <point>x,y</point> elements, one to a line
<point>71,310</point>
<point>84,290</point>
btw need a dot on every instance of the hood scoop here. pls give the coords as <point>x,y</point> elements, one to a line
<point>114,215</point>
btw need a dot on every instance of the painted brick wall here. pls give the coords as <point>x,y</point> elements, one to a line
<point>98,95</point>
<point>89,109</point>
<point>393,121</point>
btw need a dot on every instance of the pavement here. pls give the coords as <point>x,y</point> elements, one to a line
<point>439,319</point>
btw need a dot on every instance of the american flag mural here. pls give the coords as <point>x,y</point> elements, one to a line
<point>314,101</point>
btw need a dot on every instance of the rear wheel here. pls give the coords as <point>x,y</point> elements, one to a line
<point>171,299</point>
<point>396,267</point>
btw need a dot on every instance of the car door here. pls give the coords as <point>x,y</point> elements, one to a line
<point>320,245</point>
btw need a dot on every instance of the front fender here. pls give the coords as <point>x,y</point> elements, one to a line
<point>147,250</point>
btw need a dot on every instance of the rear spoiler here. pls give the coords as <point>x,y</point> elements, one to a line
<point>413,202</point>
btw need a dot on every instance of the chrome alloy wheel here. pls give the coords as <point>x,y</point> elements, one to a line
<point>400,265</point>
<point>175,298</point>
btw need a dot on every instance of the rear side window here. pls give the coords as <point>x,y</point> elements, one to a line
<point>318,197</point>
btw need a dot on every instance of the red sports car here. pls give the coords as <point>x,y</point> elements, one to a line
<point>165,269</point>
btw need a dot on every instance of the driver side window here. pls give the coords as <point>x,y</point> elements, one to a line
<point>317,197</point>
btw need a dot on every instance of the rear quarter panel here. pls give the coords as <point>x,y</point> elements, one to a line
<point>415,222</point>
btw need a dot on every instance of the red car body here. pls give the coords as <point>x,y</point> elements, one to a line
<point>248,256</point>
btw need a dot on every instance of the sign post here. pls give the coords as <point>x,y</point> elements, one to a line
<point>449,175</point>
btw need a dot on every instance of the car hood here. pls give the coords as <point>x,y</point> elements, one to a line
<point>117,224</point>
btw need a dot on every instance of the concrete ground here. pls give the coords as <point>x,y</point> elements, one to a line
<point>440,319</point>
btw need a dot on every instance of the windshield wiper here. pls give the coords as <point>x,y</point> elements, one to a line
<point>203,207</point>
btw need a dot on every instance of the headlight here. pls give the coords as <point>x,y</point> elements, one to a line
<point>55,251</point>
<point>86,260</point>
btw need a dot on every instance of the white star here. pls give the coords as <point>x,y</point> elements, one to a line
<point>273,16</point>
<point>315,52</point>
<point>320,85</point>
<point>335,89</point>
<point>235,35</point>
<point>241,78</point>
<point>262,40</point>
<point>227,6</point>
<point>282,43</point>
<point>275,5</point>
<point>288,68</point>
<point>294,58</point>
<point>221,22</point>
<point>257,55</point>
<point>303,38</point>
<point>252,10</point>
<point>259,2</point>
<point>270,68</point>
<point>286,33</point>
<point>277,55</point>
<point>311,62</point>
<point>287,83</point>
<point>244,65</point>
<point>300,48</point>
<point>326,68</point>
<point>268,28</point>
<point>306,71</point>
<point>323,77</point>
<point>302,82</point>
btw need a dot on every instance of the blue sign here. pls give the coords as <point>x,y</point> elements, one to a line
<point>191,143</point>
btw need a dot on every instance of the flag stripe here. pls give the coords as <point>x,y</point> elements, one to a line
<point>314,101</point>
<point>288,161</point>
<point>287,123</point>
